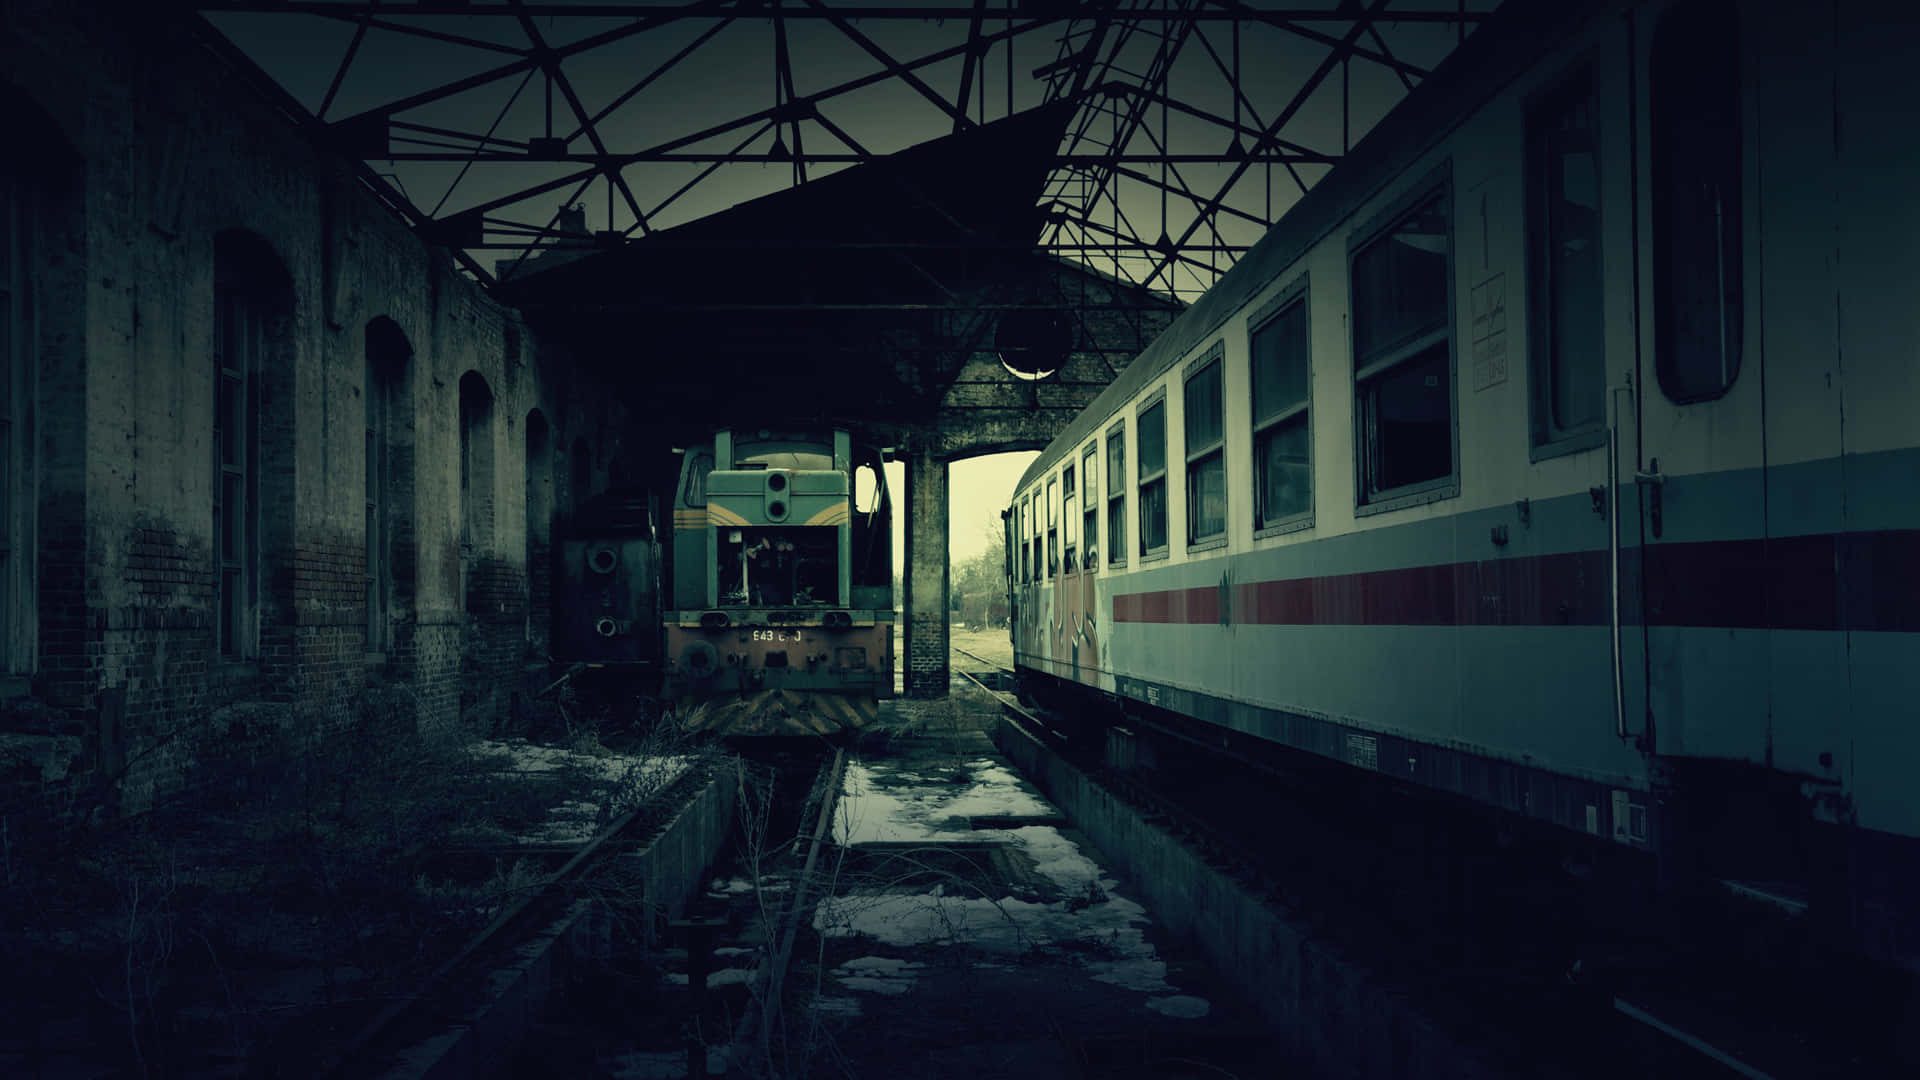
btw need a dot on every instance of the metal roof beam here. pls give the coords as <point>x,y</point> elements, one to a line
<point>736,8</point>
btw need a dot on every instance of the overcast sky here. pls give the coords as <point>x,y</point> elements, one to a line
<point>978,489</point>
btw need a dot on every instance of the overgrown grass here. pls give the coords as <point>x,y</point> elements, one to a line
<point>299,883</point>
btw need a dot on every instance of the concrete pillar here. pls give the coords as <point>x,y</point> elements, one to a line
<point>926,577</point>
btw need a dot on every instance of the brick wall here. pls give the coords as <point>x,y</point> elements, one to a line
<point>494,649</point>
<point>928,662</point>
<point>328,642</point>
<point>539,598</point>
<point>158,154</point>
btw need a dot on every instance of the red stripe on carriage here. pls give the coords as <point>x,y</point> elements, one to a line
<point>1854,581</point>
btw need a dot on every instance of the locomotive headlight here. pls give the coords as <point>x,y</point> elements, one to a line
<point>714,620</point>
<point>776,501</point>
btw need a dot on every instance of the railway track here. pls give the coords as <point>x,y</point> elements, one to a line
<point>756,1028</point>
<point>459,983</point>
<point>993,667</point>
<point>1507,979</point>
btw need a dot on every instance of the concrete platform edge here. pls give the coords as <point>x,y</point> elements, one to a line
<point>1328,1012</point>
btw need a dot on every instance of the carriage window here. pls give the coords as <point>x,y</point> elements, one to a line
<point>1282,437</point>
<point>1026,539</point>
<point>1563,235</point>
<point>1153,478</point>
<point>1402,354</point>
<point>1206,455</point>
<point>1068,520</point>
<point>1694,102</point>
<point>1019,542</point>
<point>1053,528</point>
<point>1117,494</point>
<point>1090,519</point>
<point>1033,538</point>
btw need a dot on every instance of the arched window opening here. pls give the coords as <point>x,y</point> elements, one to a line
<point>539,522</point>
<point>43,328</point>
<point>476,468</point>
<point>252,309</point>
<point>17,350</point>
<point>387,356</point>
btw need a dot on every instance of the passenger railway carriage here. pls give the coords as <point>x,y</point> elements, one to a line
<point>1560,450</point>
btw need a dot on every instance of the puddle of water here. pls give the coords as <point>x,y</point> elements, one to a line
<point>1180,1006</point>
<point>662,1064</point>
<point>909,828</point>
<point>881,804</point>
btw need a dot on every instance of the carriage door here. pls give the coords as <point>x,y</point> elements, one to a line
<point>1702,476</point>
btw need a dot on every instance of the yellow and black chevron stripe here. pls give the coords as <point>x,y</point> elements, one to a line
<point>778,712</point>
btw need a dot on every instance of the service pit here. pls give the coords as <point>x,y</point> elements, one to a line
<point>979,948</point>
<point>954,925</point>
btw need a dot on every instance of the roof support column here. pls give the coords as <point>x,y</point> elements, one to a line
<point>926,603</point>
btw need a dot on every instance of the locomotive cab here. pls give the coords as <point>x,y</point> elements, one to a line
<point>782,610</point>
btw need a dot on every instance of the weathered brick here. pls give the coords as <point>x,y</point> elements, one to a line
<point>168,152</point>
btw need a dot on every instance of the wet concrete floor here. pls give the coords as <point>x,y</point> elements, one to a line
<point>957,927</point>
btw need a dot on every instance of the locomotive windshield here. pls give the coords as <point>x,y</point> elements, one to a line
<point>779,565</point>
<point>756,458</point>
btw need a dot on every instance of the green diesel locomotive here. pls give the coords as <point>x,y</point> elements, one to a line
<point>780,613</point>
